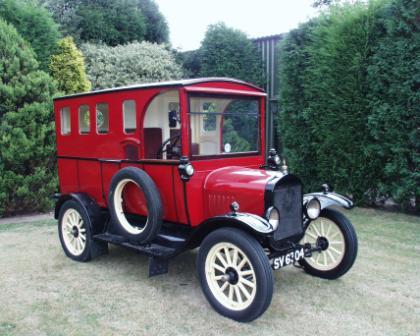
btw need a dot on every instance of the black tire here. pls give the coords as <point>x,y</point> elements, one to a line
<point>65,209</point>
<point>350,252</point>
<point>260,263</point>
<point>154,204</point>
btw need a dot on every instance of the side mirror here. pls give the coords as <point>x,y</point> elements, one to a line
<point>173,118</point>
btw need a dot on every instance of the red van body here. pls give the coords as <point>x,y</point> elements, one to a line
<point>165,167</point>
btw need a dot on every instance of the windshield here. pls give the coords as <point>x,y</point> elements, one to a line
<point>223,126</point>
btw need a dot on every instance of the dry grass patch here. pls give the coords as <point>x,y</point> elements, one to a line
<point>45,293</point>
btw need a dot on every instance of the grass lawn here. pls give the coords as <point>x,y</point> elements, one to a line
<point>42,292</point>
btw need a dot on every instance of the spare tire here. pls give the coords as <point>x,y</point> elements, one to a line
<point>138,232</point>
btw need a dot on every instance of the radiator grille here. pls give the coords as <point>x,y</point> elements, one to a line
<point>288,200</point>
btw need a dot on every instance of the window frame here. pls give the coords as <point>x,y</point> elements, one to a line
<point>62,109</point>
<point>225,96</point>
<point>96,118</point>
<point>135,117</point>
<point>78,119</point>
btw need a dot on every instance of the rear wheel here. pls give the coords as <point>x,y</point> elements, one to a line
<point>74,231</point>
<point>235,274</point>
<point>336,238</point>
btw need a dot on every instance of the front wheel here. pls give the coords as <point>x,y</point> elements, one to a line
<point>235,274</point>
<point>336,239</point>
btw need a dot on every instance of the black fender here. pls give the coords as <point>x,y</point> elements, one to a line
<point>97,218</point>
<point>328,199</point>
<point>257,226</point>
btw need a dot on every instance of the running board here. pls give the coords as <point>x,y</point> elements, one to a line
<point>151,249</point>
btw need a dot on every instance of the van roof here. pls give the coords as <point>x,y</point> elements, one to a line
<point>181,82</point>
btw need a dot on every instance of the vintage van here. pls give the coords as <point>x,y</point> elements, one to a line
<point>166,167</point>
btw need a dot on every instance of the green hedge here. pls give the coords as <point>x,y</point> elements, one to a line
<point>27,144</point>
<point>350,101</point>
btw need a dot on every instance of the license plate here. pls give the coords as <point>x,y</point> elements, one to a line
<point>288,258</point>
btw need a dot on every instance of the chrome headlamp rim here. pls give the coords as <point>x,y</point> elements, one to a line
<point>313,208</point>
<point>273,217</point>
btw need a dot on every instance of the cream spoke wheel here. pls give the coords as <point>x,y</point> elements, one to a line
<point>230,276</point>
<point>73,232</point>
<point>325,234</point>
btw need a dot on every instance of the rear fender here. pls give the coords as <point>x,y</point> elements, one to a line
<point>97,219</point>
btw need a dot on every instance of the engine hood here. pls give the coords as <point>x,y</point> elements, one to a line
<point>245,186</point>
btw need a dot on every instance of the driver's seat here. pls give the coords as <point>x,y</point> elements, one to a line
<point>152,141</point>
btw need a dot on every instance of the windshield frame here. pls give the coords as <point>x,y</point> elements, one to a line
<point>211,95</point>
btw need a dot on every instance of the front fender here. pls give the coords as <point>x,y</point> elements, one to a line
<point>253,224</point>
<point>327,199</point>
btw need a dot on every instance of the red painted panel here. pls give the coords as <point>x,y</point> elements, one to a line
<point>68,177</point>
<point>162,176</point>
<point>90,180</point>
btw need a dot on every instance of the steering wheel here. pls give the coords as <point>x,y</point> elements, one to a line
<point>173,140</point>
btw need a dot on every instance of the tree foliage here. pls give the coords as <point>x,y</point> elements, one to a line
<point>157,27</point>
<point>349,105</point>
<point>228,52</point>
<point>67,67</point>
<point>27,164</point>
<point>35,25</point>
<point>111,22</point>
<point>127,64</point>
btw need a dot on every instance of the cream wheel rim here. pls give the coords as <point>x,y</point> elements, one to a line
<point>119,210</point>
<point>327,230</point>
<point>74,232</point>
<point>230,276</point>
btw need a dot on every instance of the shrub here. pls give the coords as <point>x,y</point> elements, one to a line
<point>35,25</point>
<point>350,103</point>
<point>228,52</point>
<point>394,101</point>
<point>67,67</point>
<point>128,64</point>
<point>27,163</point>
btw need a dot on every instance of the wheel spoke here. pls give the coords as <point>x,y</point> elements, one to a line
<point>316,230</point>
<point>243,290</point>
<point>230,294</point>
<point>235,257</point>
<point>247,282</point>
<point>310,234</point>
<point>227,254</point>
<point>242,263</point>
<point>222,260</point>
<point>238,294</point>
<point>219,268</point>
<point>331,255</point>
<point>335,250</point>
<point>224,286</point>
<point>247,272</point>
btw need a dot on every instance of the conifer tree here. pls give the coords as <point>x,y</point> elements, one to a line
<point>67,67</point>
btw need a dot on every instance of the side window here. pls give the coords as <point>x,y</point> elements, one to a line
<point>84,119</point>
<point>129,116</point>
<point>209,120</point>
<point>102,118</point>
<point>65,121</point>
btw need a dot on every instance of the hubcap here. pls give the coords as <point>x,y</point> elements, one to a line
<point>327,236</point>
<point>230,276</point>
<point>73,232</point>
